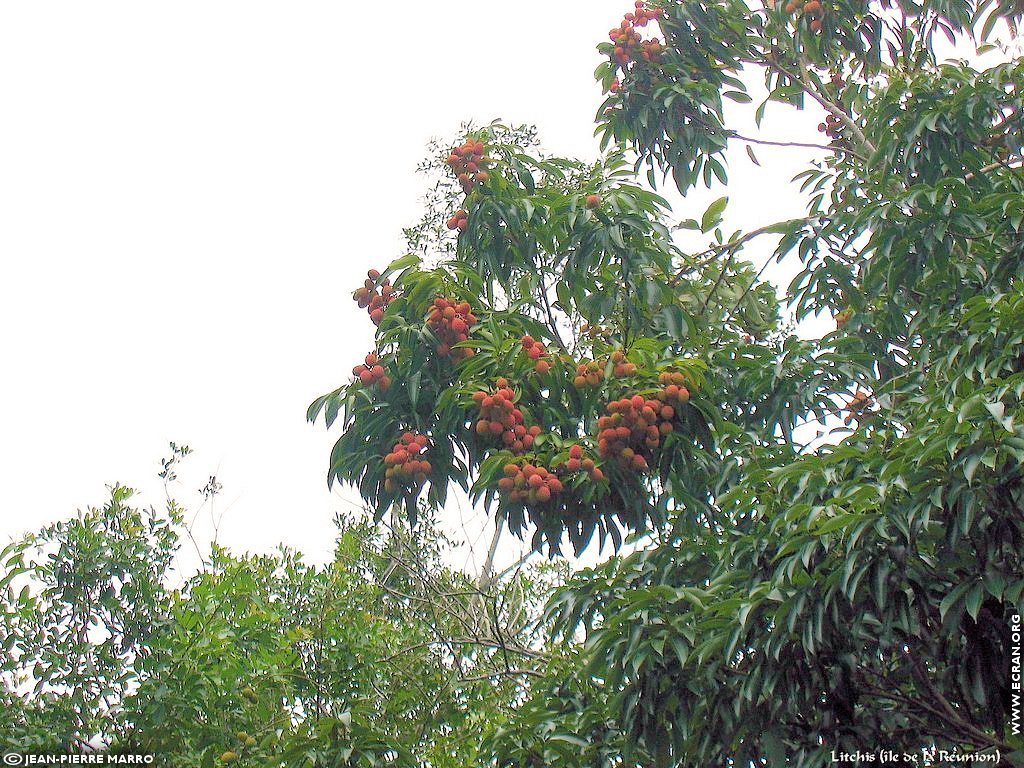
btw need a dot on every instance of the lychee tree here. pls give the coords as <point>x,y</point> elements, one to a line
<point>800,596</point>
<point>856,593</point>
<point>552,363</point>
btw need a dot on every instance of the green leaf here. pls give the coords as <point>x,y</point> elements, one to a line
<point>970,466</point>
<point>713,215</point>
<point>774,750</point>
<point>951,599</point>
<point>973,600</point>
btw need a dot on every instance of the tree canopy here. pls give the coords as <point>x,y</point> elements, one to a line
<point>834,523</point>
<point>816,542</point>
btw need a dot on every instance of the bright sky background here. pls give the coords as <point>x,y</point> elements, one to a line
<point>190,191</point>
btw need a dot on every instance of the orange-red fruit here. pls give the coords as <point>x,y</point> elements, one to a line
<point>405,468</point>
<point>593,201</point>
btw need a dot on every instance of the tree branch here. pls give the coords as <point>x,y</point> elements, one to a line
<point>803,80</point>
<point>769,143</point>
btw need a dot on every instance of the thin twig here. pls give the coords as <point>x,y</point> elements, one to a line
<point>992,167</point>
<point>807,145</point>
<point>551,316</point>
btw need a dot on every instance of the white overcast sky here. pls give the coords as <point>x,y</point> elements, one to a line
<point>190,191</point>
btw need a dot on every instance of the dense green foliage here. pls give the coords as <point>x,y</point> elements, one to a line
<point>824,534</point>
<point>798,597</point>
<point>383,657</point>
<point>858,595</point>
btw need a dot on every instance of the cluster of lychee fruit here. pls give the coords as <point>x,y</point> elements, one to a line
<point>832,127</point>
<point>595,331</point>
<point>621,366</point>
<point>536,351</point>
<point>589,373</point>
<point>633,429</point>
<point>675,390</point>
<point>529,484</point>
<point>628,44</point>
<point>367,296</point>
<point>642,14</point>
<point>245,740</point>
<point>371,373</point>
<point>860,407</point>
<point>578,462</point>
<point>808,9</point>
<point>501,419</point>
<point>459,220</point>
<point>468,163</point>
<point>406,467</point>
<point>450,321</point>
